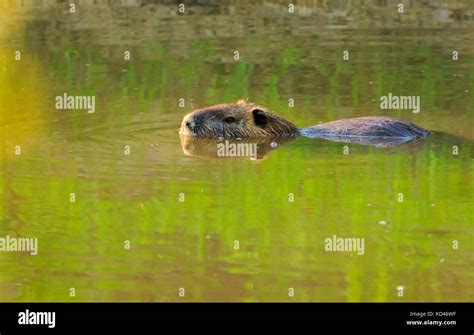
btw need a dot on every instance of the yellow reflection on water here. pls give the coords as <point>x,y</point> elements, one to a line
<point>21,81</point>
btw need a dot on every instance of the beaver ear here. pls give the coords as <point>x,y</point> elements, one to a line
<point>259,118</point>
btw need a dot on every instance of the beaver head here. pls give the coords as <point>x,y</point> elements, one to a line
<point>238,120</point>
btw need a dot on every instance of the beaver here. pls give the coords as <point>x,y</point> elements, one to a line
<point>248,120</point>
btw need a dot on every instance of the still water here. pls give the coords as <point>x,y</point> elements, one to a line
<point>122,213</point>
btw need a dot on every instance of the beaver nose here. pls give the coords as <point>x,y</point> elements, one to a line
<point>189,121</point>
<point>190,124</point>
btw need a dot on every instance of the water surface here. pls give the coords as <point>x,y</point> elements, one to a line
<point>183,214</point>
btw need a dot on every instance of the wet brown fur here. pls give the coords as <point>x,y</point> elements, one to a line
<point>253,121</point>
<point>369,126</point>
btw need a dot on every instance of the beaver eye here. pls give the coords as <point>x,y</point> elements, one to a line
<point>229,119</point>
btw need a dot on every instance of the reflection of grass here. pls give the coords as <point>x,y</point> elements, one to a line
<point>155,73</point>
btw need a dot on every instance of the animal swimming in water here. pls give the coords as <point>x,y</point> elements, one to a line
<point>248,120</point>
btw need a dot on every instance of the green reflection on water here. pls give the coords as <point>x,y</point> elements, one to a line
<point>190,244</point>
